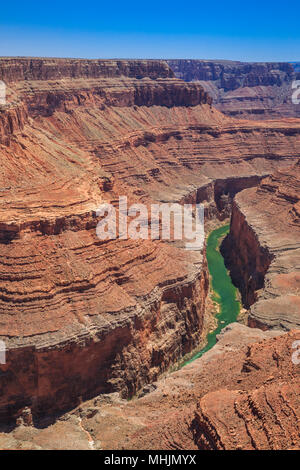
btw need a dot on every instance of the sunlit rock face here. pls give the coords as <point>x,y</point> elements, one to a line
<point>263,250</point>
<point>244,89</point>
<point>242,394</point>
<point>81,316</point>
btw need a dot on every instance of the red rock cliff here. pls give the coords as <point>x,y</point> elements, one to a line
<point>244,89</point>
<point>80,316</point>
<point>19,69</point>
<point>262,250</point>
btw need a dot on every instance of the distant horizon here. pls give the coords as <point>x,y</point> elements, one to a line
<point>150,58</point>
<point>260,32</point>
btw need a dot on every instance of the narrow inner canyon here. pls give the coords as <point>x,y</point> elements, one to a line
<point>173,348</point>
<point>224,293</point>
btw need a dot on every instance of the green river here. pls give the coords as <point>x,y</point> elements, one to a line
<point>224,292</point>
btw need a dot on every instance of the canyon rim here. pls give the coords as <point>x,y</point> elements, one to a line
<point>95,330</point>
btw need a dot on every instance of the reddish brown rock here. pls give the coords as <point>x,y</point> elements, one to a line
<point>263,250</point>
<point>265,417</point>
<point>79,316</point>
<point>244,89</point>
<point>242,394</point>
<point>14,69</point>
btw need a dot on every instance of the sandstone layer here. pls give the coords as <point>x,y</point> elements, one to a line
<point>263,250</point>
<point>81,316</point>
<point>244,89</point>
<point>252,403</point>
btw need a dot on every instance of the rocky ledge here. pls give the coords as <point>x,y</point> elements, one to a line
<point>263,250</point>
<point>80,316</point>
<point>13,69</point>
<point>244,89</point>
<point>242,394</point>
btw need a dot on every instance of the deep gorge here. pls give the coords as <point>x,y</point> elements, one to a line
<point>125,365</point>
<point>221,287</point>
<point>81,317</point>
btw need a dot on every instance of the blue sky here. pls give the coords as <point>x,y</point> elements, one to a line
<point>238,30</point>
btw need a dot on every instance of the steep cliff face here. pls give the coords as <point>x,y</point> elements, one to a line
<point>107,354</point>
<point>247,260</point>
<point>241,395</point>
<point>12,120</point>
<point>233,74</point>
<point>244,89</point>
<point>255,418</point>
<point>19,69</point>
<point>39,87</point>
<point>81,316</point>
<point>262,250</point>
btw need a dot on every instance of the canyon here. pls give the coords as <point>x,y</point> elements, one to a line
<point>90,323</point>
<point>252,403</point>
<point>252,90</point>
<point>263,250</point>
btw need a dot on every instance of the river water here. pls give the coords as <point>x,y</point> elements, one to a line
<point>224,292</point>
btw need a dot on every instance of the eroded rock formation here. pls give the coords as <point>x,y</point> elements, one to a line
<point>81,316</point>
<point>244,89</point>
<point>263,250</point>
<point>242,394</point>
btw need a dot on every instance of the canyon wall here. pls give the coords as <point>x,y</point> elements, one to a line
<point>244,89</point>
<point>262,250</point>
<point>247,260</point>
<point>240,395</point>
<point>81,315</point>
<point>123,355</point>
<point>261,410</point>
<point>13,69</point>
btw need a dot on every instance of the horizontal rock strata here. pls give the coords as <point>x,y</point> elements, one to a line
<point>244,89</point>
<point>263,250</point>
<point>81,316</point>
<point>259,418</point>
<point>242,394</point>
